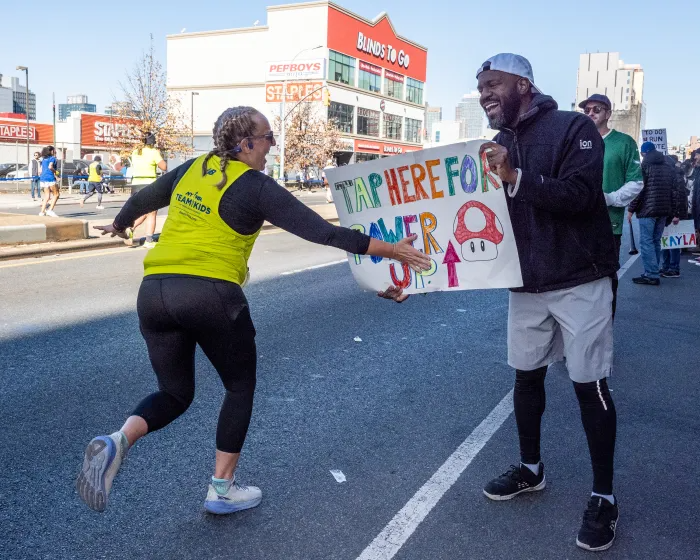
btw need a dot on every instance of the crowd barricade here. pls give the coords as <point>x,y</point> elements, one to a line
<point>73,181</point>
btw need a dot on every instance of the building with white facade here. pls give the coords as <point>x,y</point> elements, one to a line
<point>19,97</point>
<point>470,116</point>
<point>432,115</point>
<point>607,73</point>
<point>372,79</point>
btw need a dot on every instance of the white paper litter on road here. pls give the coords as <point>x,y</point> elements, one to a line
<point>338,475</point>
<point>461,311</point>
<point>357,339</point>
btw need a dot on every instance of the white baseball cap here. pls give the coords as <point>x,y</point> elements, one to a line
<point>511,64</point>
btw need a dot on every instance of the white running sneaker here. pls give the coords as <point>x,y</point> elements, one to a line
<point>102,460</point>
<point>51,213</point>
<point>149,244</point>
<point>98,207</point>
<point>236,499</point>
<point>42,213</point>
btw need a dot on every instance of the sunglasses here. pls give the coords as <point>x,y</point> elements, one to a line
<point>269,136</point>
<point>597,109</point>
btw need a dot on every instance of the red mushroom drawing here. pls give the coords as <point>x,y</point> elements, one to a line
<point>478,231</point>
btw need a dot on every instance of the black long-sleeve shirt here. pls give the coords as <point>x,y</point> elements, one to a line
<point>250,201</point>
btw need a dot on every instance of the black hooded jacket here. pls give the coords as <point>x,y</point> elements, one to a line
<point>559,216</point>
<point>657,199</point>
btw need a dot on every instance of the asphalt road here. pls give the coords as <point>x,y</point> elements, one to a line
<point>388,412</point>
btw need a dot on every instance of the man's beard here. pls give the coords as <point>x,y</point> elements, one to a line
<point>510,107</point>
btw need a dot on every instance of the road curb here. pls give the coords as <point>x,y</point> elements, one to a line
<point>86,244</point>
<point>57,229</point>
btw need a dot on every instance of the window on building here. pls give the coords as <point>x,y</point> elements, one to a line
<point>392,126</point>
<point>341,68</point>
<point>412,130</point>
<point>414,91</point>
<point>369,77</point>
<point>342,115</point>
<point>393,84</point>
<point>360,157</point>
<point>437,135</point>
<point>367,122</point>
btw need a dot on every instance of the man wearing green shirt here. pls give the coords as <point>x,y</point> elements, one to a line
<point>622,170</point>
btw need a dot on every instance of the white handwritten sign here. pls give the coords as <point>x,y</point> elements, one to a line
<point>679,236</point>
<point>449,197</point>
<point>658,137</point>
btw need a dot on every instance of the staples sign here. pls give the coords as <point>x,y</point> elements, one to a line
<point>312,69</point>
<point>17,131</point>
<point>112,131</point>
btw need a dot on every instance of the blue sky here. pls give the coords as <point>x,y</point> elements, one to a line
<point>69,53</point>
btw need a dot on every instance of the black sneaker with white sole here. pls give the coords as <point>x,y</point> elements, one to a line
<point>516,480</point>
<point>599,523</point>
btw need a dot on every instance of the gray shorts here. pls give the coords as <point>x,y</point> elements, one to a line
<point>575,323</point>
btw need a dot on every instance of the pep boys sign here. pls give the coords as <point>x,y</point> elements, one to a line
<point>312,69</point>
<point>385,52</point>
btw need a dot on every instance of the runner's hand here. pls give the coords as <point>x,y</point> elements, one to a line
<point>110,229</point>
<point>629,217</point>
<point>405,252</point>
<point>676,221</point>
<point>392,292</point>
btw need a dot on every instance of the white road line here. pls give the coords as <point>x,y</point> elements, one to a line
<point>29,261</point>
<point>405,522</point>
<point>625,267</point>
<point>298,270</point>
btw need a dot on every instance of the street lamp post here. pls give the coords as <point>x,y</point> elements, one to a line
<point>192,118</point>
<point>283,116</point>
<point>26,73</point>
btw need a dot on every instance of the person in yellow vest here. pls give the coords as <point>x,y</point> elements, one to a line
<point>94,182</point>
<point>192,294</point>
<point>144,162</point>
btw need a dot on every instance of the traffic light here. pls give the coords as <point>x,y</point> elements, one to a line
<point>326,97</point>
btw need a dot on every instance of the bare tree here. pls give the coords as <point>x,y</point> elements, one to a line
<point>147,108</point>
<point>310,139</point>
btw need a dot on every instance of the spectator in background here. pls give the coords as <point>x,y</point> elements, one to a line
<point>652,206</point>
<point>671,258</point>
<point>694,182</point>
<point>622,172</point>
<point>34,169</point>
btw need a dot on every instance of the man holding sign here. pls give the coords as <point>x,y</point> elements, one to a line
<point>551,163</point>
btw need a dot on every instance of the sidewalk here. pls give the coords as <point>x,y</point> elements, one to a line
<point>24,235</point>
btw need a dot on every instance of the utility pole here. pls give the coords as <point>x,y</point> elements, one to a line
<point>26,107</point>
<point>283,116</point>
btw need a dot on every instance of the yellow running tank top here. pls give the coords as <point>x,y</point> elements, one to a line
<point>195,240</point>
<point>93,176</point>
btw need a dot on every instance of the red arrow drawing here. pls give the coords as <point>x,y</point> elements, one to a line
<point>451,259</point>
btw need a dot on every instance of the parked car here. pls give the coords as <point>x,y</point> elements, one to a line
<point>21,173</point>
<point>6,168</point>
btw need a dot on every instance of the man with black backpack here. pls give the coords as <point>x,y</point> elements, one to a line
<point>653,205</point>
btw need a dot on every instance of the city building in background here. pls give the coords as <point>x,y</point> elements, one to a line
<point>432,115</point>
<point>12,88</point>
<point>607,73</point>
<point>470,115</point>
<point>355,71</point>
<point>75,103</point>
<point>119,108</point>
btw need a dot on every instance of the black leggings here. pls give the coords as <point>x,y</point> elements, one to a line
<point>176,313</point>
<point>597,415</point>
